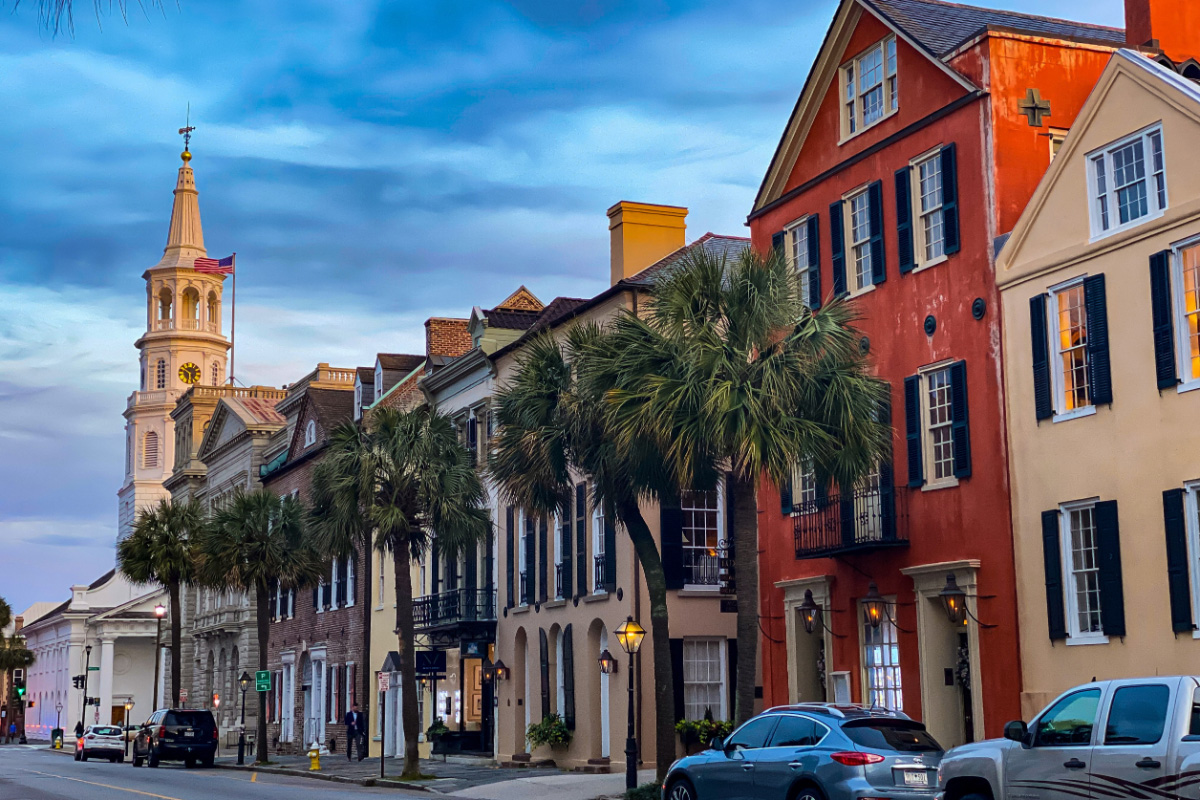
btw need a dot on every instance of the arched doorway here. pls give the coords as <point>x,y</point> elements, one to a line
<point>605,726</point>
<point>307,723</point>
<point>520,672</point>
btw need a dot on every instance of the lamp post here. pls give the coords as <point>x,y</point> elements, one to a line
<point>87,665</point>
<point>243,684</point>
<point>125,725</point>
<point>630,636</point>
<point>58,715</point>
<point>159,612</point>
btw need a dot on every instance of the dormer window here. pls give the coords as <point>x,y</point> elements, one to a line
<point>379,377</point>
<point>1128,182</point>
<point>310,433</point>
<point>869,88</point>
<point>358,400</point>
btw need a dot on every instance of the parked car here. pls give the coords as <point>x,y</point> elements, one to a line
<point>100,741</point>
<point>177,734</point>
<point>813,751</point>
<point>1137,737</point>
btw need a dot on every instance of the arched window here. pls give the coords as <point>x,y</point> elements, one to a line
<point>160,374</point>
<point>150,450</point>
<point>214,311</point>
<point>191,308</point>
<point>164,305</point>
<point>310,433</point>
<point>216,373</point>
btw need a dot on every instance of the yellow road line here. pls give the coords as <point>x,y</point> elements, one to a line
<point>104,785</point>
<point>254,777</point>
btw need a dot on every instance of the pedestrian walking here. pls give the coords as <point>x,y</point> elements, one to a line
<point>79,730</point>
<point>356,733</point>
<point>12,731</point>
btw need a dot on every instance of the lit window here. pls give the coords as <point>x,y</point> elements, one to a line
<point>704,679</point>
<point>1187,304</point>
<point>860,238</point>
<point>1081,571</point>
<point>1128,182</point>
<point>798,254</point>
<point>881,665</point>
<point>869,87</point>
<point>931,228</point>
<point>701,537</point>
<point>1069,331</point>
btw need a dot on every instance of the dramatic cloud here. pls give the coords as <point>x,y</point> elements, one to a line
<point>367,161</point>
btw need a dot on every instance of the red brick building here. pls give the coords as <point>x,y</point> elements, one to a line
<point>921,132</point>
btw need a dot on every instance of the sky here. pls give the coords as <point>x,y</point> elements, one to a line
<point>372,163</point>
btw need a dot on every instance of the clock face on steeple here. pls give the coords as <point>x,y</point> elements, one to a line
<point>189,373</point>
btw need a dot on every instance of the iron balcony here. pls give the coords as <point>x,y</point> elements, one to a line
<point>454,607</point>
<point>865,519</point>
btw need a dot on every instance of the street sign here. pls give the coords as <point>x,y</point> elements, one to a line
<point>183,695</point>
<point>262,680</point>
<point>93,669</point>
<point>384,681</point>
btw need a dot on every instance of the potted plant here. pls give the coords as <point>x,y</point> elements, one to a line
<point>695,734</point>
<point>551,731</point>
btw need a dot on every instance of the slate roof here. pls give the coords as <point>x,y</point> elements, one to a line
<point>559,307</point>
<point>256,410</point>
<point>717,245</point>
<point>332,406</point>
<point>400,362</point>
<point>940,27</point>
<point>103,579</point>
<point>511,318</point>
<point>366,376</point>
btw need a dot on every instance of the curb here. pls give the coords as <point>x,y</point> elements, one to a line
<point>394,783</point>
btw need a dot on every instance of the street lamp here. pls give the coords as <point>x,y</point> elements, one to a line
<point>87,666</point>
<point>501,670</point>
<point>810,612</point>
<point>243,684</point>
<point>159,612</point>
<point>125,726</point>
<point>608,664</point>
<point>874,606</point>
<point>954,601</point>
<point>629,636</point>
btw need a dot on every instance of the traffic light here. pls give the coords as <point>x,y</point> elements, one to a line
<point>78,681</point>
<point>19,685</point>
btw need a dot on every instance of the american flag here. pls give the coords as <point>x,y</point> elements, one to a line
<point>221,265</point>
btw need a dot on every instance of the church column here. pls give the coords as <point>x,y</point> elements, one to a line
<point>107,644</point>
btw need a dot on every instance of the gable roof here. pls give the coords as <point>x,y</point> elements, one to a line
<point>331,406</point>
<point>399,362</point>
<point>512,319</point>
<point>521,300</point>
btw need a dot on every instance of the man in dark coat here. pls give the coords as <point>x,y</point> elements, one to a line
<point>356,733</point>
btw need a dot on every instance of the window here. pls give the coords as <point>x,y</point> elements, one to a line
<point>804,488</point>
<point>1081,572</point>
<point>1137,715</point>
<point>556,537</point>
<point>214,311</point>
<point>939,434</point>
<point>1057,137</point>
<point>869,88</point>
<point>701,536</point>
<point>379,565</point>
<point>881,665</point>
<point>348,569</point>
<point>150,450</point>
<point>860,239</point>
<point>216,374</point>
<point>1128,182</point>
<point>1186,267</point>
<point>798,254</point>
<point>752,735</point>
<point>599,579</point>
<point>931,228</point>
<point>310,433</point>
<point>525,525</point>
<point>358,400</point>
<point>1069,722</point>
<point>903,736</point>
<point>1069,329</point>
<point>704,678</point>
<point>129,446</point>
<point>794,731</point>
<point>160,374</point>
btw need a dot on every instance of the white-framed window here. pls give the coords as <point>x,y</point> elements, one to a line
<point>1056,136</point>
<point>379,376</point>
<point>379,590</point>
<point>930,229</point>
<point>704,678</point>
<point>310,433</point>
<point>160,374</point>
<point>523,566</point>
<point>351,579</point>
<point>702,516</point>
<point>1127,181</point>
<point>598,577</point>
<point>557,543</point>
<point>804,487</point>
<point>937,413</point>
<point>1185,266</point>
<point>1067,318</point>
<point>358,400</point>
<point>858,228</point>
<point>1081,572</point>
<point>798,253</point>
<point>881,664</point>
<point>869,88</point>
<point>1191,518</point>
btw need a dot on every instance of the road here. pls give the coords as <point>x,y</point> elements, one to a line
<point>29,773</point>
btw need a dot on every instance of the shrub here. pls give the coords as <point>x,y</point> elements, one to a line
<point>702,731</point>
<point>438,728</point>
<point>647,791</point>
<point>550,731</point>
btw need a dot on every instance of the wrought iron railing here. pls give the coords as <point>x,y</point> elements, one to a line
<point>458,605</point>
<point>858,520</point>
<point>599,573</point>
<point>524,593</point>
<point>700,566</point>
<point>558,581</point>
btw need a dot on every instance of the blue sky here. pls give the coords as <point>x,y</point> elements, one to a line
<point>372,163</point>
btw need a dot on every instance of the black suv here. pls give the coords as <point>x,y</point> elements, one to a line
<point>177,734</point>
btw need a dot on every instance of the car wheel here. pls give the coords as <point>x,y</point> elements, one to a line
<point>809,793</point>
<point>137,762</point>
<point>83,756</point>
<point>152,758</point>
<point>681,789</point>
<point>189,763</point>
<point>77,754</point>
<point>974,796</point>
<point>207,761</point>
<point>120,759</point>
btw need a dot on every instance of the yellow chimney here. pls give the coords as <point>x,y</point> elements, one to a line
<point>643,233</point>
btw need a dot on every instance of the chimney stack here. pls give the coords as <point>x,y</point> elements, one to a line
<point>1172,26</point>
<point>641,234</point>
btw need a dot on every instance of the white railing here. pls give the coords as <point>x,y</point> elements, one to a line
<point>190,324</point>
<point>164,324</point>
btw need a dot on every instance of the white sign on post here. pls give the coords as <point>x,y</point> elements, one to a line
<point>183,695</point>
<point>384,681</point>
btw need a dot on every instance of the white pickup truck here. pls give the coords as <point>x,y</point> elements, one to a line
<point>1135,738</point>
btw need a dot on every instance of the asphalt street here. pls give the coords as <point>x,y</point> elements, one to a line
<point>33,773</point>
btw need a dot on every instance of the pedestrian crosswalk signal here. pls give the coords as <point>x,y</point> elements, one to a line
<point>20,686</point>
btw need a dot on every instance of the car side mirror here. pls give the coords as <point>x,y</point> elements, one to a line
<point>1016,731</point>
<point>717,743</point>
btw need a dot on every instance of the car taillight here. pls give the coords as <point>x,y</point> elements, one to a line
<point>855,759</point>
<point>162,731</point>
<point>214,733</point>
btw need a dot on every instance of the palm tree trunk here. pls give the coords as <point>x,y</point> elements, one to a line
<point>364,700</point>
<point>176,640</point>
<point>264,638</point>
<point>660,637</point>
<point>408,659</point>
<point>745,565</point>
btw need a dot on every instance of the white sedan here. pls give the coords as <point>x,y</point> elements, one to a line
<point>101,741</point>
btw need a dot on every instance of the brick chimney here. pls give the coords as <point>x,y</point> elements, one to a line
<point>642,233</point>
<point>1172,26</point>
<point>445,336</point>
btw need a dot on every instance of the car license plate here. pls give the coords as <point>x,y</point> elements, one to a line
<point>187,731</point>
<point>914,777</point>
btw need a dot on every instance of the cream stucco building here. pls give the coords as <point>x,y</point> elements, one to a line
<point>1100,283</point>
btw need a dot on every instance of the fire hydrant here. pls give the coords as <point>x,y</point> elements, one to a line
<point>314,758</point>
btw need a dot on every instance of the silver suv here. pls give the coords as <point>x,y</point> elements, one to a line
<point>813,751</point>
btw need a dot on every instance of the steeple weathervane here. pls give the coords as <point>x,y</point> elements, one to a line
<point>187,135</point>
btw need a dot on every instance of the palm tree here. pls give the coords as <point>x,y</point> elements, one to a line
<point>159,550</point>
<point>58,16</point>
<point>551,425</point>
<point>409,478</point>
<point>256,541</point>
<point>13,653</point>
<point>729,370</point>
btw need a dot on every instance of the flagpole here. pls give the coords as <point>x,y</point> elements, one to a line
<point>233,324</point>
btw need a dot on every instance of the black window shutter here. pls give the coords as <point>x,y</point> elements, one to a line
<point>960,427</point>
<point>785,498</point>
<point>1099,367</point>
<point>912,429</point>
<point>544,558</point>
<point>327,595</point>
<point>1178,579</point>
<point>489,580</point>
<point>510,555</point>
<point>471,567</point>
<point>1112,592</point>
<point>316,597</point>
<point>1040,337</point>
<point>544,647</point>
<point>777,244</point>
<point>875,220</point>
<point>677,669</point>
<point>887,500</point>
<point>435,567</point>
<point>567,550</point>
<point>610,553</point>
<point>732,672</point>
<point>472,438</point>
<point>729,511</point>
<point>568,671</point>
<point>1056,614</point>
<point>814,262</point>
<point>837,243</point>
<point>904,222</point>
<point>530,560</point>
<point>581,562</point>
<point>670,517</point>
<point>1163,315</point>
<point>950,199</point>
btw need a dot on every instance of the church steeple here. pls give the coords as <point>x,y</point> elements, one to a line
<point>185,239</point>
